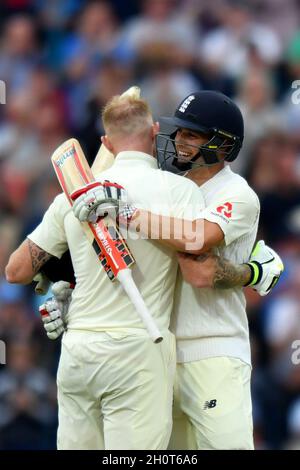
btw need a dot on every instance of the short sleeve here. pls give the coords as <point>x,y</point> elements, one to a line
<point>50,233</point>
<point>236,213</point>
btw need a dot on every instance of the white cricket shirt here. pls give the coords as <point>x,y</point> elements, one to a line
<point>213,322</point>
<point>97,303</point>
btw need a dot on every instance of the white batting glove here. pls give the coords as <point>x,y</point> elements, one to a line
<point>97,200</point>
<point>266,266</point>
<point>55,309</point>
<point>62,291</point>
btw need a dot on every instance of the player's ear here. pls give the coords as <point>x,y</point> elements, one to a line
<point>155,128</point>
<point>107,143</point>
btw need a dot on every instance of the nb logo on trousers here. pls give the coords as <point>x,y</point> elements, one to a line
<point>210,404</point>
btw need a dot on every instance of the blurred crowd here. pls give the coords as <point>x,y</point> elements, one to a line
<point>60,62</point>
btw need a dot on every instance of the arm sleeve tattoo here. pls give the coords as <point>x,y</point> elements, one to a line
<point>37,255</point>
<point>230,275</point>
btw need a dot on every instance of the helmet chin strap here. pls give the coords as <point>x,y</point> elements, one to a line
<point>192,164</point>
<point>207,154</point>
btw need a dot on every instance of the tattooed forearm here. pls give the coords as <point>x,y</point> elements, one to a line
<point>37,255</point>
<point>230,275</point>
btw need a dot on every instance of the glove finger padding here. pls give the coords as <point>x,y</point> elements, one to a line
<point>51,316</point>
<point>96,200</point>
<point>82,210</point>
<point>54,325</point>
<point>115,193</point>
<point>62,290</point>
<point>266,268</point>
<point>109,207</point>
<point>55,334</point>
<point>52,320</point>
<point>49,306</point>
<point>85,200</point>
<point>53,310</point>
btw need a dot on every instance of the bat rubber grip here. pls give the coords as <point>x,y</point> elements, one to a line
<point>125,278</point>
<point>42,286</point>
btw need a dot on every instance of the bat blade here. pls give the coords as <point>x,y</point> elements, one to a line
<point>71,167</point>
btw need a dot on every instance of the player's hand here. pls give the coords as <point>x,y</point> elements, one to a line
<point>55,309</point>
<point>97,200</point>
<point>62,291</point>
<point>52,318</point>
<point>266,266</point>
<point>199,271</point>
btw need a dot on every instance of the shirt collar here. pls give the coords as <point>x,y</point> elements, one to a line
<point>224,173</point>
<point>138,158</point>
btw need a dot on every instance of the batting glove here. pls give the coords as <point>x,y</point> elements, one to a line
<point>97,200</point>
<point>55,309</point>
<point>266,268</point>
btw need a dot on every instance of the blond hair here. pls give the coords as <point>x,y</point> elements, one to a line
<point>126,115</point>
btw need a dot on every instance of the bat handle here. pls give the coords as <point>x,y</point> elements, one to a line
<point>43,284</point>
<point>125,278</point>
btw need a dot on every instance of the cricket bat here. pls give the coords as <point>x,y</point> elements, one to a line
<point>73,172</point>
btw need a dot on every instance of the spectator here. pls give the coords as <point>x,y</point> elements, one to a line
<point>27,407</point>
<point>261,115</point>
<point>20,52</point>
<point>232,47</point>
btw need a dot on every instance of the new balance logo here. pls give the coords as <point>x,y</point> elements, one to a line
<point>210,404</point>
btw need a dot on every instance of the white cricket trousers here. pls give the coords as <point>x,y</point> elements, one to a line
<point>212,405</point>
<point>115,390</point>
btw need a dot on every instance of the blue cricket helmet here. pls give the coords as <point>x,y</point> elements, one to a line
<point>212,113</point>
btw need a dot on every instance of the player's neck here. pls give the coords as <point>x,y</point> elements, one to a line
<point>204,173</point>
<point>134,147</point>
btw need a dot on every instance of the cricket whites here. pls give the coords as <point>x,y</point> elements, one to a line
<point>73,172</point>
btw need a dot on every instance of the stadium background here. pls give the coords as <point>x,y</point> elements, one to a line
<point>61,61</point>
